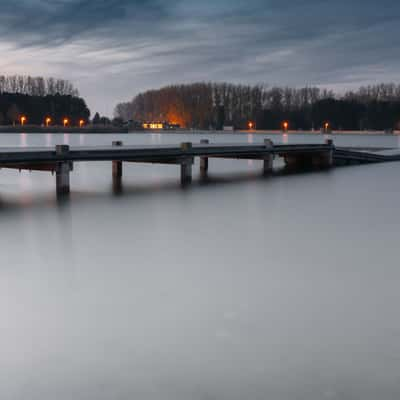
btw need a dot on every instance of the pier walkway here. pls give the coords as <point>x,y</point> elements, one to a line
<point>60,160</point>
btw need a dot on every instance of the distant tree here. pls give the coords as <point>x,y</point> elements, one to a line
<point>220,121</point>
<point>119,122</point>
<point>105,121</point>
<point>96,119</point>
<point>124,111</point>
<point>13,113</point>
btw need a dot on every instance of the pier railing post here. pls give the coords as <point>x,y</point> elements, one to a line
<point>186,164</point>
<point>268,157</point>
<point>204,160</point>
<point>62,171</point>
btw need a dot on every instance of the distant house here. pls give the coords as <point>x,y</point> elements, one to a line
<point>157,125</point>
<point>153,125</point>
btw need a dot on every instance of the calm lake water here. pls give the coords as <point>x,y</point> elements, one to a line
<point>243,288</point>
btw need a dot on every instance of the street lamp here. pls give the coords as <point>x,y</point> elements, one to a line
<point>65,122</point>
<point>48,121</point>
<point>285,126</point>
<point>326,125</point>
<point>81,123</point>
<point>251,125</point>
<point>23,120</point>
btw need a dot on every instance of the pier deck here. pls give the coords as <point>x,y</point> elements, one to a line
<point>61,158</point>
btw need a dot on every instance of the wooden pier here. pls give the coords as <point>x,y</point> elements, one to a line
<point>60,160</point>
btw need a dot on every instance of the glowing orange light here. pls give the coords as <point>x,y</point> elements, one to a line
<point>153,125</point>
<point>250,125</point>
<point>326,125</point>
<point>48,121</point>
<point>23,120</point>
<point>81,123</point>
<point>285,125</point>
<point>65,122</point>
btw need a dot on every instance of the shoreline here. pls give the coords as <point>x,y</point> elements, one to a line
<point>117,130</point>
<point>60,129</point>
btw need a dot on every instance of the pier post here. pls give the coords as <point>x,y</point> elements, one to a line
<point>204,161</point>
<point>117,165</point>
<point>117,171</point>
<point>62,171</point>
<point>268,157</point>
<point>186,165</point>
<point>325,159</point>
<point>328,156</point>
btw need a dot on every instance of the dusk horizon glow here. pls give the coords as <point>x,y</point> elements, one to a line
<point>112,50</point>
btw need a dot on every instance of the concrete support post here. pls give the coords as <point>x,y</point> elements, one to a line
<point>117,165</point>
<point>328,157</point>
<point>268,157</point>
<point>186,165</point>
<point>62,171</point>
<point>204,160</point>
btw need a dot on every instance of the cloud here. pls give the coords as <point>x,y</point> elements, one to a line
<point>114,48</point>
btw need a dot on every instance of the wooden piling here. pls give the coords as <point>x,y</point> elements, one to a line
<point>186,164</point>
<point>204,160</point>
<point>117,165</point>
<point>268,157</point>
<point>328,156</point>
<point>63,169</point>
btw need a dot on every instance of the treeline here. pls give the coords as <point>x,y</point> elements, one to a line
<point>36,86</point>
<point>37,108</point>
<point>213,105</point>
<point>37,99</point>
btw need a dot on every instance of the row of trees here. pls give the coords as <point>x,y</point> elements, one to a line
<point>36,86</point>
<point>38,108</point>
<point>38,98</point>
<point>213,105</point>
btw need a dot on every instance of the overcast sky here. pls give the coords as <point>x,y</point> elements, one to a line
<point>113,49</point>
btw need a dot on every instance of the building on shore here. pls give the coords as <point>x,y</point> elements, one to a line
<point>159,125</point>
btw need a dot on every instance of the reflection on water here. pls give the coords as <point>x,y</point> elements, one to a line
<point>48,139</point>
<point>23,137</point>
<point>238,287</point>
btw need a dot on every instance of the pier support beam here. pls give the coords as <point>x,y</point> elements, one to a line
<point>186,165</point>
<point>117,171</point>
<point>329,155</point>
<point>62,171</point>
<point>117,165</point>
<point>204,161</point>
<point>268,157</point>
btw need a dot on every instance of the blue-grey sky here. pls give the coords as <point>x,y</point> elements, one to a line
<point>113,49</point>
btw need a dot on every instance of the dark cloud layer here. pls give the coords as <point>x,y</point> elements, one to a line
<point>114,48</point>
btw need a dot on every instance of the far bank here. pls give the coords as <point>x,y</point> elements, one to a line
<point>60,129</point>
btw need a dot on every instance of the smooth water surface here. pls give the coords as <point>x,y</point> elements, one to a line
<point>239,288</point>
